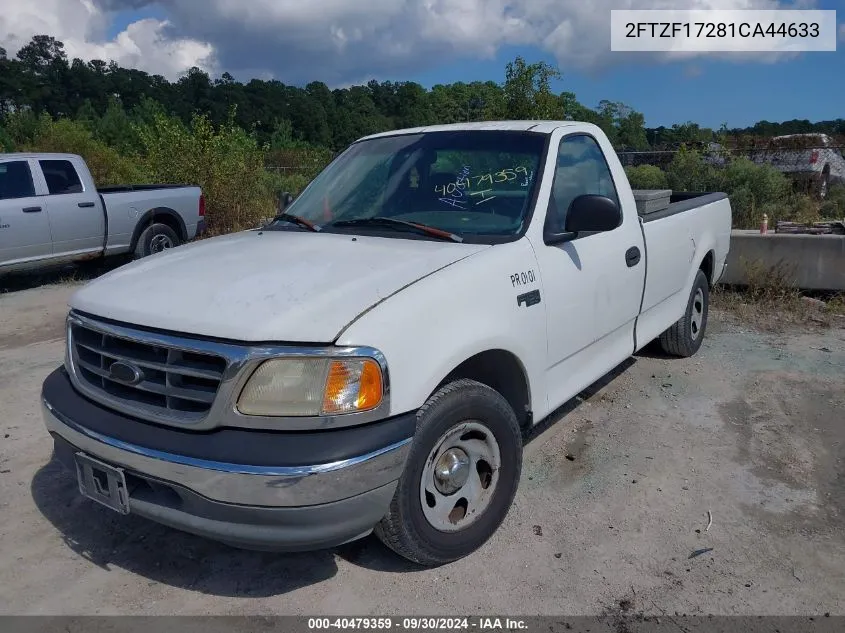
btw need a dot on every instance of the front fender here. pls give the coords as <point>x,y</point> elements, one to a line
<point>429,328</point>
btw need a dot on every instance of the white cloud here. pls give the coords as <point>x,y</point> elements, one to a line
<point>338,41</point>
<point>81,26</point>
<point>145,45</point>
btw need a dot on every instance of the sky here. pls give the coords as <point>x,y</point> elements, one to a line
<point>342,43</point>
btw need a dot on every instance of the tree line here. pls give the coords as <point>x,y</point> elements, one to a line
<point>41,79</point>
<point>223,135</point>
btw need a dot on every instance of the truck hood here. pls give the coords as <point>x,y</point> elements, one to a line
<point>265,286</point>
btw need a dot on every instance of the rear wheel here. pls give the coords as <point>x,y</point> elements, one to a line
<point>156,238</point>
<point>461,476</point>
<point>685,336</point>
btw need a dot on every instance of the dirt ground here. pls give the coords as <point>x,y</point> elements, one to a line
<point>613,501</point>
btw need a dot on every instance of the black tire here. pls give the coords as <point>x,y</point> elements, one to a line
<point>684,337</point>
<point>405,529</point>
<point>154,239</point>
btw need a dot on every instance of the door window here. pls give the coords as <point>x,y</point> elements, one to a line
<point>61,177</point>
<point>581,169</point>
<point>16,180</point>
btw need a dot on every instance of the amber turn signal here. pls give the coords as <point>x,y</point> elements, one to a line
<point>352,385</point>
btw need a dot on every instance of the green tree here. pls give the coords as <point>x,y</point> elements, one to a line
<point>115,128</point>
<point>11,83</point>
<point>6,142</point>
<point>282,137</point>
<point>225,160</point>
<point>87,115</point>
<point>43,74</point>
<point>689,172</point>
<point>528,92</point>
<point>107,165</point>
<point>647,177</point>
<point>413,107</point>
<point>632,133</point>
<point>607,114</point>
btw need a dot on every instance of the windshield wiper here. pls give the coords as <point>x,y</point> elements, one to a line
<point>400,224</point>
<point>295,219</point>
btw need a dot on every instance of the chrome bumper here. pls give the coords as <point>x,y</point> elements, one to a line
<point>283,486</point>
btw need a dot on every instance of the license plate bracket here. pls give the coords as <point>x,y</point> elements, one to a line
<point>102,483</point>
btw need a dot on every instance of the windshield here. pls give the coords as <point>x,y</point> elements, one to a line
<point>478,185</point>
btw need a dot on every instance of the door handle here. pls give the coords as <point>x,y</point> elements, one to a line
<point>32,209</point>
<point>84,205</point>
<point>632,256</point>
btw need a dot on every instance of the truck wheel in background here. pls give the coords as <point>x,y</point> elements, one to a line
<point>685,336</point>
<point>460,478</point>
<point>155,239</point>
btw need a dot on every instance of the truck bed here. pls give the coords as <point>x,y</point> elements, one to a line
<point>681,201</point>
<point>673,237</point>
<point>131,206</point>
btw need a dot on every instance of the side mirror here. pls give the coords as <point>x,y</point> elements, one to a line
<point>588,213</point>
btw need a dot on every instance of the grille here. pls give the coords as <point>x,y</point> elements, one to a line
<point>173,383</point>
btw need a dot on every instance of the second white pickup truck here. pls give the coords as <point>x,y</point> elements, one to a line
<point>52,213</point>
<point>371,359</point>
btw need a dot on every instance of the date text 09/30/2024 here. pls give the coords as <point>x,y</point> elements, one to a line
<point>478,623</point>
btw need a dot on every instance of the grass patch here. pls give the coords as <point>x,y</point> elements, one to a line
<point>777,309</point>
<point>836,305</point>
<point>772,301</point>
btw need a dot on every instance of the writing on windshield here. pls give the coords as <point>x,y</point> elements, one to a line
<point>465,181</point>
<point>453,192</point>
<point>468,187</point>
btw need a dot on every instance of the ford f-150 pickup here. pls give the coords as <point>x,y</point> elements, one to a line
<point>52,213</point>
<point>372,358</point>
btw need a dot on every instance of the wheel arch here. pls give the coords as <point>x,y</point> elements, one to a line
<point>160,215</point>
<point>502,371</point>
<point>708,266</point>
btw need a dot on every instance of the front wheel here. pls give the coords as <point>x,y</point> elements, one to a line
<point>685,336</point>
<point>460,478</point>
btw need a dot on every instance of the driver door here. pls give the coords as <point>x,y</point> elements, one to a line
<point>592,290</point>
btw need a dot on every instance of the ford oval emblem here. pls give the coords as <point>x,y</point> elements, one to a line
<point>125,373</point>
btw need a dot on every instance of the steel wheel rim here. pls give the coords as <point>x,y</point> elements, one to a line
<point>160,243</point>
<point>697,314</point>
<point>460,477</point>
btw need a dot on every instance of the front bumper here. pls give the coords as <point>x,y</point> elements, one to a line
<point>179,478</point>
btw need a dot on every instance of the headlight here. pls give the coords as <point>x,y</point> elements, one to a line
<point>312,386</point>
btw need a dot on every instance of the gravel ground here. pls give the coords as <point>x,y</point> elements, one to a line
<point>614,498</point>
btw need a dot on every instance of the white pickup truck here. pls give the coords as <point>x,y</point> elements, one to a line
<point>52,213</point>
<point>371,359</point>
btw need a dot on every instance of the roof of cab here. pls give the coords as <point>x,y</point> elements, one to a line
<point>541,127</point>
<point>39,155</point>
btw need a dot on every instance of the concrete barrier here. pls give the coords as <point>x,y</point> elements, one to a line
<point>810,262</point>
